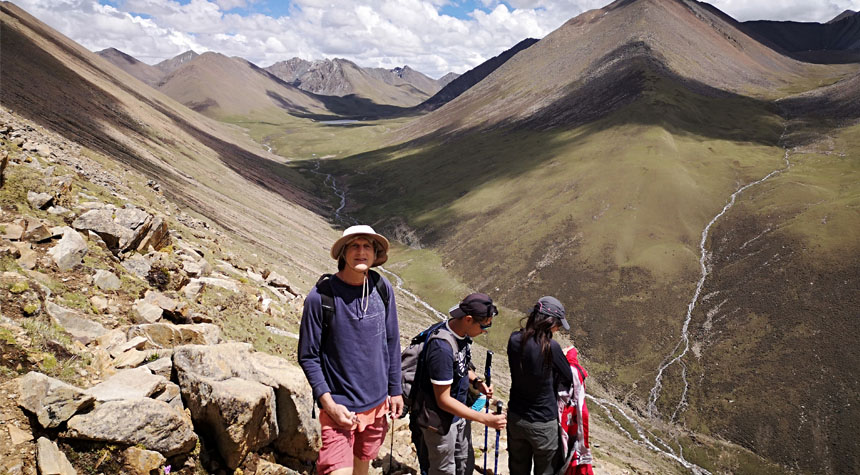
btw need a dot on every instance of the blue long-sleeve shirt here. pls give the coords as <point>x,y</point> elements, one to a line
<point>358,358</point>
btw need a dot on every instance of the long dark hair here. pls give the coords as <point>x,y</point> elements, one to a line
<point>539,327</point>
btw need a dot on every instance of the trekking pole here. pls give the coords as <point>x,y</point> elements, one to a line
<point>498,432</point>
<point>487,376</point>
<point>391,451</point>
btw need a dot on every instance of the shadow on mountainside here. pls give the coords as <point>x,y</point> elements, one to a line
<point>39,86</point>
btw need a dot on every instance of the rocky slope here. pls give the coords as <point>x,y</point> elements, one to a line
<point>401,87</point>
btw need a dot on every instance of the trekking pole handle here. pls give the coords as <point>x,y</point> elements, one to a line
<point>487,366</point>
<point>499,405</point>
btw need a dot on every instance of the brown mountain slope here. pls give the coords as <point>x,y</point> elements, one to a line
<point>146,73</point>
<point>202,164</point>
<point>689,38</point>
<point>221,86</point>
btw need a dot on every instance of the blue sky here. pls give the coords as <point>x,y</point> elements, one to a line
<point>431,36</point>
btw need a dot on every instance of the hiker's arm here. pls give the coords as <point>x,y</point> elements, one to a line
<point>310,340</point>
<point>392,334</point>
<point>482,386</point>
<point>453,406</point>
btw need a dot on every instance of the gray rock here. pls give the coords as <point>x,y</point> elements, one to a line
<point>239,413</point>
<point>136,343</point>
<point>101,222</point>
<point>299,434</point>
<point>128,384</point>
<point>137,265</point>
<point>130,359</point>
<point>160,300</point>
<point>51,400</point>
<point>145,312</point>
<point>277,280</point>
<point>230,285</point>
<point>69,252</point>
<point>157,237</point>
<point>168,335</point>
<point>198,268</point>
<point>141,462</point>
<point>37,231</point>
<point>27,257</point>
<point>193,288</point>
<point>52,461</point>
<point>12,231</point>
<point>198,366</point>
<point>39,200</point>
<point>150,423</point>
<point>81,329</point>
<point>106,280</point>
<point>58,210</point>
<point>162,366</point>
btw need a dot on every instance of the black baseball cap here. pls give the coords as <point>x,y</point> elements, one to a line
<point>477,305</point>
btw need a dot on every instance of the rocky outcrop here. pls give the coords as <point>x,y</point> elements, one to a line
<point>150,423</point>
<point>52,401</point>
<point>278,400</point>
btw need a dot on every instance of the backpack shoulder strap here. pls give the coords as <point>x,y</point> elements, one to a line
<point>323,286</point>
<point>377,281</point>
<point>439,334</point>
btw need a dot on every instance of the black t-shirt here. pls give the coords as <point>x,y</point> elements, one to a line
<point>533,384</point>
<point>442,368</point>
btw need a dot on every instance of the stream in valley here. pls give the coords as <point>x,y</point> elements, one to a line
<point>683,344</point>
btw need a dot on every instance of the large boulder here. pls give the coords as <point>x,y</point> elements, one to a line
<point>121,229</point>
<point>150,423</point>
<point>297,435</point>
<point>239,413</point>
<point>51,400</point>
<point>69,252</point>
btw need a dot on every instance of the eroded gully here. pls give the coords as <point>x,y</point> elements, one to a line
<point>683,346</point>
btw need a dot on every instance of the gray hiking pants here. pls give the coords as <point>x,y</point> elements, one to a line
<point>529,441</point>
<point>450,454</point>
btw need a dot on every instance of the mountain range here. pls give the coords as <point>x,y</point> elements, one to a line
<point>685,183</point>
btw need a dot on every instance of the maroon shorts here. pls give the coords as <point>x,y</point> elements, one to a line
<point>340,445</point>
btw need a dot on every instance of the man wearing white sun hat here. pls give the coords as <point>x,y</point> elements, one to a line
<point>349,349</point>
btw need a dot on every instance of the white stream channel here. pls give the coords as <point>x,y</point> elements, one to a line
<point>340,216</point>
<point>704,265</point>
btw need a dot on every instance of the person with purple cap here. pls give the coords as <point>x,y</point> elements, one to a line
<point>538,367</point>
<point>446,446</point>
<point>349,350</point>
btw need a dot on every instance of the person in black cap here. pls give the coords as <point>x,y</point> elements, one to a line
<point>538,366</point>
<point>446,447</point>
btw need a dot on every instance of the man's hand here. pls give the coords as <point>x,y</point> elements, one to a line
<point>496,421</point>
<point>395,406</point>
<point>339,414</point>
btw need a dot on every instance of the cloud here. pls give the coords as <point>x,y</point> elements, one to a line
<point>374,33</point>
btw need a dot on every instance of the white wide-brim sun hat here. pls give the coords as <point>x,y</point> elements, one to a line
<point>362,230</point>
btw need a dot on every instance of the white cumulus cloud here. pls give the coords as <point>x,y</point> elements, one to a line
<point>374,33</point>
